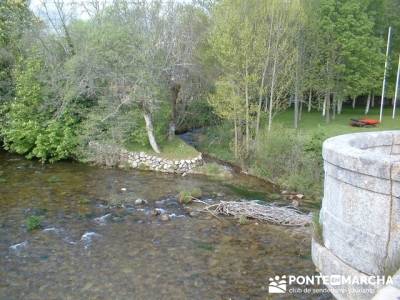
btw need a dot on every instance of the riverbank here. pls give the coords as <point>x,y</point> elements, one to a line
<point>115,155</point>
<point>288,157</point>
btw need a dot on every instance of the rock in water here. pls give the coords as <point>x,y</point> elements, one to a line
<point>158,211</point>
<point>164,217</point>
<point>87,238</point>
<point>140,201</point>
<point>194,213</point>
<point>102,220</point>
<point>20,246</point>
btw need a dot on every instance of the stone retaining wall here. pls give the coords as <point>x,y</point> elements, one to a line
<point>360,214</point>
<point>111,155</point>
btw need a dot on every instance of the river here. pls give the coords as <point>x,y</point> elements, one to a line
<point>96,243</point>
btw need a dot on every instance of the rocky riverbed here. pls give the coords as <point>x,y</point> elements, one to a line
<point>111,233</point>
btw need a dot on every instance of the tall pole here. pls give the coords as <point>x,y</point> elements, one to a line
<point>397,87</point>
<point>384,75</point>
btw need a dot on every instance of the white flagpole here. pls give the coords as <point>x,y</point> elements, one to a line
<point>384,75</point>
<point>397,87</point>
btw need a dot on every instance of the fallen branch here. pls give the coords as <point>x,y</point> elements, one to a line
<point>269,213</point>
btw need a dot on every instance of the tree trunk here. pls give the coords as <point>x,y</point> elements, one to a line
<point>324,107</point>
<point>271,97</point>
<point>368,104</point>
<point>247,110</point>
<point>319,102</point>
<point>236,137</point>
<point>266,64</point>
<point>327,106</point>
<point>384,76</point>
<point>373,100</point>
<point>334,107</point>
<point>300,108</point>
<point>339,106</point>
<point>296,101</point>
<point>296,110</point>
<point>396,89</point>
<point>260,98</point>
<point>172,124</point>
<point>150,132</point>
<point>354,102</point>
<point>309,101</point>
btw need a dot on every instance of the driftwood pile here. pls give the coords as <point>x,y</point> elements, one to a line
<point>268,213</point>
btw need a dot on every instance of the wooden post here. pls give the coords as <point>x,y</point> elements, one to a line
<point>384,75</point>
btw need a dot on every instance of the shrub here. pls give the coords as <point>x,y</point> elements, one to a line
<point>30,127</point>
<point>187,196</point>
<point>33,222</point>
<point>184,197</point>
<point>291,159</point>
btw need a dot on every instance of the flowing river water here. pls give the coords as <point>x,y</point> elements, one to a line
<point>96,243</point>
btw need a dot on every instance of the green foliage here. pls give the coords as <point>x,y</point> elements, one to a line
<point>348,56</point>
<point>138,134</point>
<point>34,222</point>
<point>57,141</point>
<point>15,19</point>
<point>187,196</point>
<point>283,156</point>
<point>314,144</point>
<point>292,160</point>
<point>199,114</point>
<point>94,79</point>
<point>23,118</point>
<point>29,130</point>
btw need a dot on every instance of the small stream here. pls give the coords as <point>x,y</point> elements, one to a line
<point>97,242</point>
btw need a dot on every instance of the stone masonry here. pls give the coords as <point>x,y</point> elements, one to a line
<point>111,155</point>
<point>360,214</point>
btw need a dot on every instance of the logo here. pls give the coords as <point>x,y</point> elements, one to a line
<point>277,285</point>
<point>317,284</point>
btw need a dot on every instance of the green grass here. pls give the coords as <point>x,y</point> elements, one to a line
<point>300,171</point>
<point>216,142</point>
<point>312,121</point>
<point>175,149</point>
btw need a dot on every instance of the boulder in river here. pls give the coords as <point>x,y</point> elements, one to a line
<point>164,217</point>
<point>140,201</point>
<point>20,246</point>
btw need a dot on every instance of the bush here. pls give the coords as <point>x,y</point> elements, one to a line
<point>33,222</point>
<point>291,159</point>
<point>186,196</point>
<point>30,127</point>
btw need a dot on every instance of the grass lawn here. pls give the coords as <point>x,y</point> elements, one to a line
<point>217,141</point>
<point>313,121</point>
<point>174,150</point>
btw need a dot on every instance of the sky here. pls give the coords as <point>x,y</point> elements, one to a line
<point>77,6</point>
<point>72,7</point>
